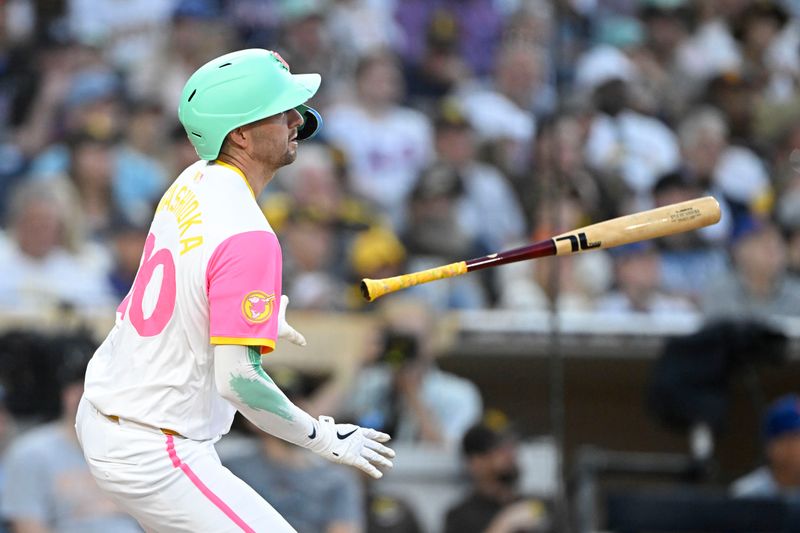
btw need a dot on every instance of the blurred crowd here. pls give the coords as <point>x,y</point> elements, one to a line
<point>452,130</point>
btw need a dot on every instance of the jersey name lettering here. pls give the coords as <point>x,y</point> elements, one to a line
<point>182,202</point>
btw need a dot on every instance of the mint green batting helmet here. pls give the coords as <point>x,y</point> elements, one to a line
<point>239,88</point>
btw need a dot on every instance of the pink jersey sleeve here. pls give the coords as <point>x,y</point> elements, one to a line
<point>244,290</point>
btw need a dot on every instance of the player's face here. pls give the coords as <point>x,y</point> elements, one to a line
<point>274,139</point>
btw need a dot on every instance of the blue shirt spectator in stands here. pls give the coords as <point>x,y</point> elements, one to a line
<point>759,284</point>
<point>637,286</point>
<point>780,477</point>
<point>689,261</point>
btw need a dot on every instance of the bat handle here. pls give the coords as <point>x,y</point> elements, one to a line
<point>371,289</point>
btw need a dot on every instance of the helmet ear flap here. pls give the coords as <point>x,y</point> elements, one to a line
<point>312,122</point>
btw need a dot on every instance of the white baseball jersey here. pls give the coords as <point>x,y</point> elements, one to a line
<point>210,274</point>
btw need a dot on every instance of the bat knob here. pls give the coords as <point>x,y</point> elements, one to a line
<point>365,289</point>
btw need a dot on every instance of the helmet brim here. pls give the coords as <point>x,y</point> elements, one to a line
<point>305,87</point>
<point>309,82</point>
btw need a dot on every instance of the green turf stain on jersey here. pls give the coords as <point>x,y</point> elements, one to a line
<point>258,396</point>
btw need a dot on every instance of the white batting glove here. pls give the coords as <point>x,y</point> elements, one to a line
<point>285,331</point>
<point>351,445</point>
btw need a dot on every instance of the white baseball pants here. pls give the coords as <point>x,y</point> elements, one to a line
<point>168,483</point>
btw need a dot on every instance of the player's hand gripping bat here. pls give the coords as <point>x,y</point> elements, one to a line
<point>650,224</point>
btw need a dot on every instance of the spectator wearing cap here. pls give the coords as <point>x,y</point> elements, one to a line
<point>441,69</point>
<point>621,141</point>
<point>758,285</point>
<point>94,123</point>
<point>769,55</point>
<point>780,477</point>
<point>737,97</point>
<point>667,25</point>
<point>480,23</point>
<point>47,485</point>
<point>494,504</point>
<point>90,107</point>
<point>375,253</point>
<point>437,235</point>
<point>487,206</point>
<point>638,289</point>
<point>689,262</point>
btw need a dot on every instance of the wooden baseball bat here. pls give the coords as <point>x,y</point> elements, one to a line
<point>650,224</point>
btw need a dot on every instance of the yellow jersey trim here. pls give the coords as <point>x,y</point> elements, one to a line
<point>244,341</point>
<point>238,171</point>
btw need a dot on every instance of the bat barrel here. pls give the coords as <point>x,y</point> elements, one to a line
<point>652,224</point>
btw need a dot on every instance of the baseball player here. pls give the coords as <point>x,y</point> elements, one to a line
<point>206,304</point>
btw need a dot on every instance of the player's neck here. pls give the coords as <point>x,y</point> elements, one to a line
<point>254,173</point>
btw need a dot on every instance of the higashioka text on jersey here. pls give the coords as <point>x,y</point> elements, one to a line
<point>182,202</point>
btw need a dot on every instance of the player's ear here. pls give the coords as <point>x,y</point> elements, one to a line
<point>237,137</point>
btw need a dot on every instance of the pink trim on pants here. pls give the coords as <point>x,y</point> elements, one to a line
<point>208,493</point>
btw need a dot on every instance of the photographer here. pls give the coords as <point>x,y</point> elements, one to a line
<point>403,390</point>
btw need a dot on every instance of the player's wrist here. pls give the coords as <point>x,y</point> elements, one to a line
<point>321,436</point>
